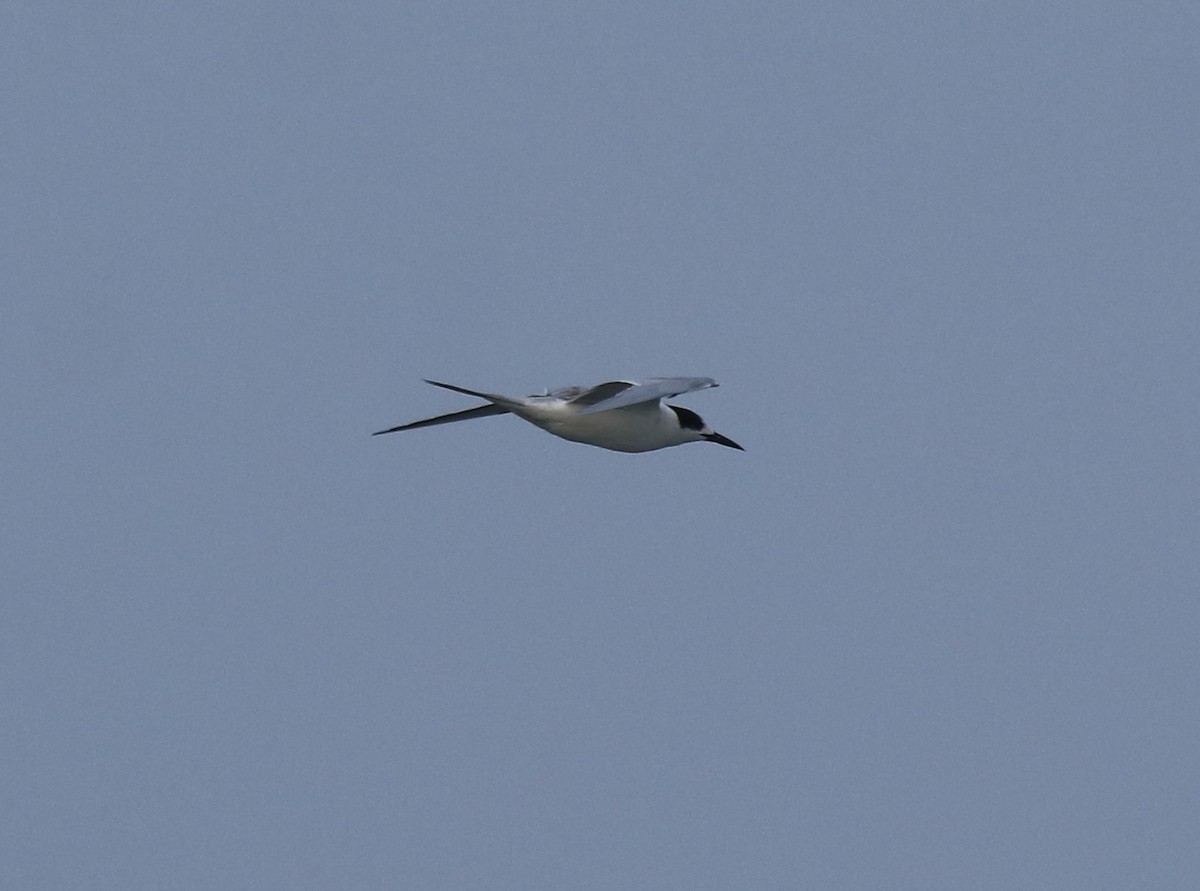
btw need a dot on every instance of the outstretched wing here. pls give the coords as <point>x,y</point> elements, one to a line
<point>591,395</point>
<point>620,394</point>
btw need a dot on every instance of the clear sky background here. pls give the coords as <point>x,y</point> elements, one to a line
<point>935,629</point>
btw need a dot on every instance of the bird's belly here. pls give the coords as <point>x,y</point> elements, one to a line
<point>608,430</point>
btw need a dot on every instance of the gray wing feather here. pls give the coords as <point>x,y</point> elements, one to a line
<point>615,395</point>
<point>600,392</point>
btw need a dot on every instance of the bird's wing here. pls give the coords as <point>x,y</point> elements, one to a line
<point>585,396</point>
<point>482,411</point>
<point>620,394</point>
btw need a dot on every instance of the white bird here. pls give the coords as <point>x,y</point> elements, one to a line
<point>624,416</point>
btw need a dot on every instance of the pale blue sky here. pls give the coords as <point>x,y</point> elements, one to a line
<point>935,629</point>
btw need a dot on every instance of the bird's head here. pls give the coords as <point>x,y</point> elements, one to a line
<point>692,423</point>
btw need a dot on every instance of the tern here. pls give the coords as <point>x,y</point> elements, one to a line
<point>623,416</point>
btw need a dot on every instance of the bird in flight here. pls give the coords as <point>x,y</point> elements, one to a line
<point>624,416</point>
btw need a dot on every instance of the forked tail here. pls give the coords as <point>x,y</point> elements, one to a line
<point>506,401</point>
